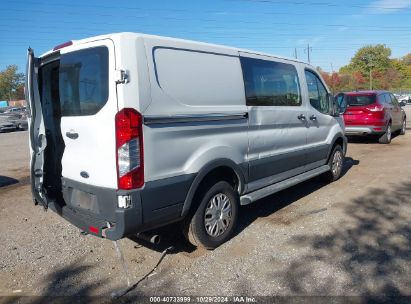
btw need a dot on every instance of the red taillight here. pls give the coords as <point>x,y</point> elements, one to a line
<point>375,108</point>
<point>93,229</point>
<point>63,45</point>
<point>129,149</point>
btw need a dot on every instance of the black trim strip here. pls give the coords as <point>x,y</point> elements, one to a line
<point>151,120</point>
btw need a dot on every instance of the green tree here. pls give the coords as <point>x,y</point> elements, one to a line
<point>11,83</point>
<point>374,57</point>
<point>406,59</point>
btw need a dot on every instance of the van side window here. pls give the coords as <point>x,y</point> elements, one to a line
<point>270,83</point>
<point>317,93</point>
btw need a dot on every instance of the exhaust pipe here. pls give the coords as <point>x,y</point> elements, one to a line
<point>153,239</point>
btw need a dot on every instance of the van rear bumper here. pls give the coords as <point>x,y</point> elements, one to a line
<point>95,209</point>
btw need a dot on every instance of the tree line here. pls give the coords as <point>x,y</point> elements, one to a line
<point>372,68</point>
<point>11,84</point>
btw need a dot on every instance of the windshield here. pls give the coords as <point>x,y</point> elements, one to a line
<point>83,81</point>
<point>360,100</point>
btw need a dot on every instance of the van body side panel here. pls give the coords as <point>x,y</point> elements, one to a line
<point>193,82</point>
<point>197,115</point>
<point>131,58</point>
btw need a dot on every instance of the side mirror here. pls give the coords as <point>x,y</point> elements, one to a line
<point>335,108</point>
<point>403,104</point>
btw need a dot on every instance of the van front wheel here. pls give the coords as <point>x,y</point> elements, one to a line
<point>336,163</point>
<point>214,220</point>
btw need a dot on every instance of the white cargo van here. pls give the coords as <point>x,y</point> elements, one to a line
<point>129,132</point>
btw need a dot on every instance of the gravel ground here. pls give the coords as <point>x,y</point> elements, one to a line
<point>352,237</point>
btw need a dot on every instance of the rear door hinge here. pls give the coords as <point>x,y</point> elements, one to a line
<point>122,76</point>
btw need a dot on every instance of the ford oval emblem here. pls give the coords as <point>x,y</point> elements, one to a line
<point>84,174</point>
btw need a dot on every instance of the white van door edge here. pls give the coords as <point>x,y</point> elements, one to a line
<point>37,136</point>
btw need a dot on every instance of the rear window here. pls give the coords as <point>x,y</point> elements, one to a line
<point>360,100</point>
<point>83,81</point>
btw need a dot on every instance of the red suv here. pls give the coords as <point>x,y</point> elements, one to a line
<point>372,113</point>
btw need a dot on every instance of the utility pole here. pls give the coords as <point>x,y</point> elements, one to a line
<point>295,53</point>
<point>370,65</point>
<point>308,52</point>
<point>370,77</point>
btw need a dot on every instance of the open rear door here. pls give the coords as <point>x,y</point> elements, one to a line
<point>37,139</point>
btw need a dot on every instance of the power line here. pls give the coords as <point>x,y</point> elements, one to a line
<point>94,13</point>
<point>328,4</point>
<point>295,3</point>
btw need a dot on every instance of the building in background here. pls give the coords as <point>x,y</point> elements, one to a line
<point>17,103</point>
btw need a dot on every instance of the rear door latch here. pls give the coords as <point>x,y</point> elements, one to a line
<point>122,76</point>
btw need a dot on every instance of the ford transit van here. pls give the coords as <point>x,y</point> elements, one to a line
<point>129,132</point>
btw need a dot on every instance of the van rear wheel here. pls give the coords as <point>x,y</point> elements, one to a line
<point>214,220</point>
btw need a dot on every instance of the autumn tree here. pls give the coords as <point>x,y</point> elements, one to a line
<point>368,59</point>
<point>406,71</point>
<point>11,83</point>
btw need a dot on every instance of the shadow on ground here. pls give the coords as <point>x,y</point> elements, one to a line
<point>370,251</point>
<point>171,235</point>
<point>369,139</point>
<point>64,286</point>
<point>7,181</point>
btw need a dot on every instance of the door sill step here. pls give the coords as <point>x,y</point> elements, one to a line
<point>271,189</point>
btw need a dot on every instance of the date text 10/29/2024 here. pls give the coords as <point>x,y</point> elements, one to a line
<point>205,299</point>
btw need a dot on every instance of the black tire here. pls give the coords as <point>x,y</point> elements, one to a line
<point>403,127</point>
<point>194,226</point>
<point>336,163</point>
<point>386,137</point>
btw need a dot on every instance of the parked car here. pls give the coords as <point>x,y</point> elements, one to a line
<point>15,110</point>
<point>164,130</point>
<point>373,113</point>
<point>20,121</point>
<point>405,98</point>
<point>6,124</point>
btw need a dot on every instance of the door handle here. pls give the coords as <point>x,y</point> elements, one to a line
<point>313,117</point>
<point>301,117</point>
<point>71,134</point>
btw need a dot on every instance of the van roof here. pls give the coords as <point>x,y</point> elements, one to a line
<point>138,35</point>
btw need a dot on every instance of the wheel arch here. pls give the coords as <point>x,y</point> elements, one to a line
<point>224,168</point>
<point>340,139</point>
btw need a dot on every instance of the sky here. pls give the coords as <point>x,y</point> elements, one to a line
<point>334,30</point>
